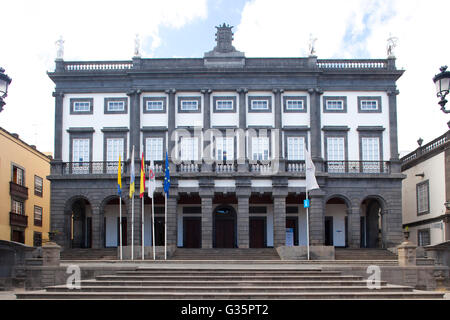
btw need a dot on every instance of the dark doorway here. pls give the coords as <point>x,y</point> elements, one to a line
<point>373,225</point>
<point>293,223</point>
<point>224,227</point>
<point>81,225</point>
<point>159,231</point>
<point>257,231</point>
<point>329,231</point>
<point>18,236</point>
<point>124,231</point>
<point>346,232</point>
<point>192,232</point>
<point>363,232</point>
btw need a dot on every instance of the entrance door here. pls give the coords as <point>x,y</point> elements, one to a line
<point>224,234</point>
<point>18,236</point>
<point>192,232</point>
<point>124,231</point>
<point>292,223</point>
<point>257,232</point>
<point>159,231</point>
<point>88,243</point>
<point>329,231</point>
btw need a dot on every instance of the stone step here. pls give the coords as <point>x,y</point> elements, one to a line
<point>241,295</point>
<point>227,289</point>
<point>205,283</point>
<point>249,273</point>
<point>230,278</point>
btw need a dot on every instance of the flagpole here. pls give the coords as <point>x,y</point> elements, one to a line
<point>143,234</point>
<point>132,226</point>
<point>153,227</point>
<point>165,229</point>
<point>307,225</point>
<point>120,225</point>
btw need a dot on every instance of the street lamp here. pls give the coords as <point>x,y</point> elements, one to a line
<point>442,82</point>
<point>4,83</point>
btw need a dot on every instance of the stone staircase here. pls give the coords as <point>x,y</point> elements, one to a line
<point>225,254</point>
<point>228,283</point>
<point>89,254</point>
<point>364,254</point>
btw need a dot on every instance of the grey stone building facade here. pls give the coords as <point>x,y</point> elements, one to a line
<point>235,129</point>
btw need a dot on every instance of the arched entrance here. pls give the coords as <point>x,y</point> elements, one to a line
<point>336,221</point>
<point>81,224</point>
<point>372,235</point>
<point>225,228</point>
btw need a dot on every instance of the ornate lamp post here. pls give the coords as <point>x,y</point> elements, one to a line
<point>442,82</point>
<point>4,83</point>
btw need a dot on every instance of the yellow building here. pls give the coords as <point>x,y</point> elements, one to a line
<point>24,191</point>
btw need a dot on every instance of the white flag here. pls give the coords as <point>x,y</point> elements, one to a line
<point>311,182</point>
<point>151,181</point>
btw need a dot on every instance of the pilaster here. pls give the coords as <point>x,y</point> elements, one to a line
<point>172,201</point>
<point>59,99</point>
<point>316,218</point>
<point>242,145</point>
<point>171,127</point>
<point>354,227</point>
<point>278,126</point>
<point>207,220</point>
<point>393,136</point>
<point>206,165</point>
<point>279,220</point>
<point>243,192</point>
<point>315,124</point>
<point>135,122</point>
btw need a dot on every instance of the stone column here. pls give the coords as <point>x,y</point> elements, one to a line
<point>97,227</point>
<point>206,167</point>
<point>135,122</point>
<point>243,221</point>
<point>316,218</point>
<point>171,126</point>
<point>278,126</point>
<point>354,227</point>
<point>279,220</point>
<point>59,99</point>
<point>406,254</point>
<point>51,254</point>
<point>207,221</point>
<point>172,218</point>
<point>316,132</point>
<point>242,145</point>
<point>393,137</point>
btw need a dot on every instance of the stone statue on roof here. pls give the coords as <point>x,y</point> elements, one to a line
<point>391,44</point>
<point>60,48</point>
<point>312,42</point>
<point>137,46</point>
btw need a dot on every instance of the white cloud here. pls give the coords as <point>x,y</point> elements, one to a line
<point>92,30</point>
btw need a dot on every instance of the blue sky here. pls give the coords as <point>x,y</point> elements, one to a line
<point>263,28</point>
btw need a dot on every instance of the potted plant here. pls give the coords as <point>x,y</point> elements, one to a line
<point>406,233</point>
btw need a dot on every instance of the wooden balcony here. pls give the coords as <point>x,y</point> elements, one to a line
<point>18,191</point>
<point>19,220</point>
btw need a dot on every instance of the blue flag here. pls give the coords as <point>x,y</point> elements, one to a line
<point>167,177</point>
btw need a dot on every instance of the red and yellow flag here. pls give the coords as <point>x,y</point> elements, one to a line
<point>142,187</point>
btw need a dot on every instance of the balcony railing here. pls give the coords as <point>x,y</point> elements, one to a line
<point>264,166</point>
<point>295,165</point>
<point>225,167</point>
<point>19,220</point>
<point>18,190</point>
<point>357,167</point>
<point>351,64</point>
<point>100,167</point>
<point>158,166</point>
<point>189,166</point>
<point>436,143</point>
<point>97,65</point>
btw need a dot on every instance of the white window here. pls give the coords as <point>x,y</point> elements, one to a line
<point>224,104</point>
<point>336,154</point>
<point>369,105</point>
<point>260,148</point>
<point>187,105</point>
<point>423,237</point>
<point>260,105</point>
<point>189,148</point>
<point>116,106</point>
<point>294,104</point>
<point>17,207</point>
<point>296,147</point>
<point>37,213</point>
<point>81,106</point>
<point>224,148</point>
<point>370,149</point>
<point>422,198</point>
<point>335,105</point>
<point>18,176</point>
<point>154,149</point>
<point>155,105</point>
<point>80,150</point>
<point>114,148</point>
